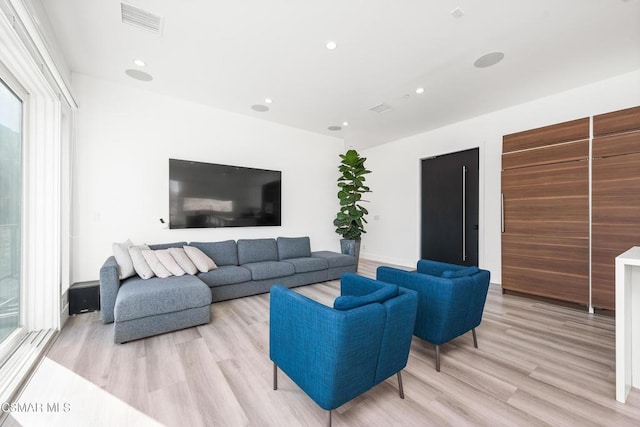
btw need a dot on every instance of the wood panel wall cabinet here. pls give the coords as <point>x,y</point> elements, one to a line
<point>545,191</point>
<point>615,197</point>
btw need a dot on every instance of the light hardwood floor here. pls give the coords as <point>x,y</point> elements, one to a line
<point>537,364</point>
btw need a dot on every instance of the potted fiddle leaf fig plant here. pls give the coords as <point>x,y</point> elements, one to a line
<point>350,219</point>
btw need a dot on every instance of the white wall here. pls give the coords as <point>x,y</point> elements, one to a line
<point>395,236</point>
<point>125,138</point>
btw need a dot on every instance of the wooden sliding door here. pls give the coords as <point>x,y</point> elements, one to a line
<point>545,196</point>
<point>616,197</point>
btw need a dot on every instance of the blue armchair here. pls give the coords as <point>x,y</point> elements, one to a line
<point>336,354</point>
<point>450,299</point>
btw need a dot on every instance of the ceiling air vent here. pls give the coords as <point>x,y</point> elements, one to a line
<point>141,19</point>
<point>380,108</point>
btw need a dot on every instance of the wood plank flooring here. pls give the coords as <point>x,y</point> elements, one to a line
<point>537,364</point>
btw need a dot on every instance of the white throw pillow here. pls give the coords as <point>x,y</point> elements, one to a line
<point>200,259</point>
<point>139,263</point>
<point>155,264</point>
<point>183,260</point>
<point>168,262</point>
<point>121,254</point>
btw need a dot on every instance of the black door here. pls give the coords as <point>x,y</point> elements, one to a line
<point>450,208</point>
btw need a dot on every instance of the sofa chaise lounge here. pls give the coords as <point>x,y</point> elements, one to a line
<point>141,308</point>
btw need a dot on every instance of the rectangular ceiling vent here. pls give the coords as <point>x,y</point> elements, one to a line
<point>381,108</point>
<point>141,19</point>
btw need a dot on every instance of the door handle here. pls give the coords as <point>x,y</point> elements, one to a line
<point>502,212</point>
<point>464,213</point>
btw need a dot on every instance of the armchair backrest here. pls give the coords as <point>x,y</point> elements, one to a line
<point>476,305</point>
<point>447,307</point>
<point>469,299</point>
<point>336,355</point>
<point>451,308</point>
<point>331,354</point>
<point>398,332</point>
<point>400,319</point>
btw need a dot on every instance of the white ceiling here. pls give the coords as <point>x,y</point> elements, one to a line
<point>234,54</point>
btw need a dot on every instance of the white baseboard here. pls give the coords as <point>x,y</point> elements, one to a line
<point>64,315</point>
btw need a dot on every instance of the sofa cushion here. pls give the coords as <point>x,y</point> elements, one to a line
<point>257,250</point>
<point>139,263</point>
<point>141,298</point>
<point>269,269</point>
<point>167,245</point>
<point>304,265</point>
<point>225,275</point>
<point>293,247</point>
<point>335,259</point>
<point>121,254</point>
<point>463,272</point>
<point>348,302</point>
<point>152,260</point>
<point>222,253</point>
<point>183,260</point>
<point>169,262</point>
<point>202,262</point>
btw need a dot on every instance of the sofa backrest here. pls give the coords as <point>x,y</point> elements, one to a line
<point>167,245</point>
<point>257,250</point>
<point>294,247</point>
<point>222,253</point>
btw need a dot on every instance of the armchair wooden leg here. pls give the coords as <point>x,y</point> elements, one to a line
<point>275,376</point>
<point>438,358</point>
<point>329,419</point>
<point>475,339</point>
<point>400,388</point>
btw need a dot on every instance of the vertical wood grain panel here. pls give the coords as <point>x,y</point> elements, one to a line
<point>617,144</point>
<point>549,267</point>
<point>616,197</point>
<point>547,155</point>
<point>617,122</point>
<point>545,244</point>
<point>574,130</point>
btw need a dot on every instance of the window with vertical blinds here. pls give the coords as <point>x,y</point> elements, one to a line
<point>10,209</point>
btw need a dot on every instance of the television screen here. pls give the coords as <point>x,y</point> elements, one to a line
<point>205,195</point>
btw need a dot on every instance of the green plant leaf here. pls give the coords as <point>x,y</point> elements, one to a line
<point>350,219</point>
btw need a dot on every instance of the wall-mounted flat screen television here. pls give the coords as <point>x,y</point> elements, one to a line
<point>203,195</point>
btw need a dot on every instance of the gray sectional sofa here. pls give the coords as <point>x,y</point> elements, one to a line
<point>141,308</point>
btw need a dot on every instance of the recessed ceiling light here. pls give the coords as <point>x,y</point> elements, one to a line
<point>420,90</point>
<point>268,100</point>
<point>139,62</point>
<point>260,108</point>
<point>139,75</point>
<point>488,59</point>
<point>334,128</point>
<point>345,123</point>
<point>331,45</point>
